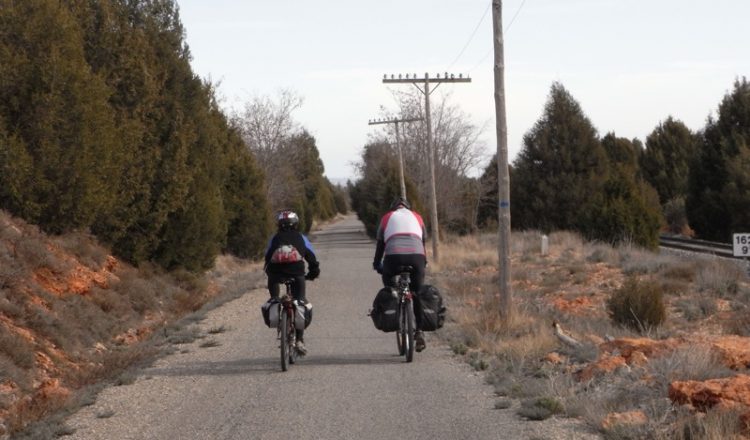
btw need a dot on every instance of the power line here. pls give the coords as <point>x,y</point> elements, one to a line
<point>481,20</point>
<point>518,11</point>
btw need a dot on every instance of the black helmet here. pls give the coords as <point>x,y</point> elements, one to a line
<point>287,219</point>
<point>400,201</point>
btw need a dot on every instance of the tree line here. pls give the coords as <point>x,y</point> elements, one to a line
<point>105,127</point>
<point>568,177</point>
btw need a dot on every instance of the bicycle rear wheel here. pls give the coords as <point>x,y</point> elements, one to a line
<point>409,331</point>
<point>401,332</point>
<point>284,340</point>
<point>291,341</point>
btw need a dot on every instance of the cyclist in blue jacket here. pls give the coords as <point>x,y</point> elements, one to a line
<point>285,258</point>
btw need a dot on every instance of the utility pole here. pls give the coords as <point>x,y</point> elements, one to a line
<point>398,146</point>
<point>503,178</point>
<point>430,151</point>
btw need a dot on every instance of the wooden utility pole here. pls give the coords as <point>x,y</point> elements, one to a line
<point>430,151</point>
<point>503,178</point>
<point>398,146</point>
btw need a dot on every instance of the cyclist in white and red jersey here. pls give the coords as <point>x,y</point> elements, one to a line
<point>401,242</point>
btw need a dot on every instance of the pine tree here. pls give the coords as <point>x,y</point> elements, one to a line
<point>56,109</point>
<point>712,212</point>
<point>560,168</point>
<point>378,186</point>
<point>666,160</point>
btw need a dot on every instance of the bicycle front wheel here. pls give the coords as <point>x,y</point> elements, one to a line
<point>409,331</point>
<point>284,340</point>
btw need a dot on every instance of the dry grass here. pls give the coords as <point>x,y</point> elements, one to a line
<point>89,335</point>
<point>576,273</point>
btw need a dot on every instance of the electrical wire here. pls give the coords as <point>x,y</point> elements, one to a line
<point>518,11</point>
<point>481,20</point>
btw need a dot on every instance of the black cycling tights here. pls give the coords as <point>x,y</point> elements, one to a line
<point>391,263</point>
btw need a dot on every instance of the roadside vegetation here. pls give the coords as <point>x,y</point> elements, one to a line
<point>73,318</point>
<point>600,333</point>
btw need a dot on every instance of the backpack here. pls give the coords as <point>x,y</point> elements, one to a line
<point>270,311</point>
<point>429,309</point>
<point>286,253</point>
<point>384,311</point>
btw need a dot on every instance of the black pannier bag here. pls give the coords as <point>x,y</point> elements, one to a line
<point>270,311</point>
<point>429,309</point>
<point>384,311</point>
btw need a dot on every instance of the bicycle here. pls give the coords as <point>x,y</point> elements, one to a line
<point>406,321</point>
<point>286,330</point>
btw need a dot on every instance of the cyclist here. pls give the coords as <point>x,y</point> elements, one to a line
<point>285,258</point>
<point>400,242</point>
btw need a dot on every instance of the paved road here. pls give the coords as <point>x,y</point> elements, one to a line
<point>352,385</point>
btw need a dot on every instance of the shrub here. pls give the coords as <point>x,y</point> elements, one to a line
<point>638,305</point>
<point>540,408</point>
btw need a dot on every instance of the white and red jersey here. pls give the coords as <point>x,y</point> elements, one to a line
<point>402,231</point>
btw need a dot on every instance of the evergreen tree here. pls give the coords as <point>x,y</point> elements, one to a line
<point>103,125</point>
<point>666,161</point>
<point>736,194</point>
<point>627,210</point>
<point>56,115</point>
<point>248,214</point>
<point>340,197</point>
<point>378,186</point>
<point>487,211</point>
<point>560,168</point>
<point>623,152</point>
<point>316,198</point>
<point>712,205</point>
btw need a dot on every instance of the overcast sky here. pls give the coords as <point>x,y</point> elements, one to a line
<point>629,63</point>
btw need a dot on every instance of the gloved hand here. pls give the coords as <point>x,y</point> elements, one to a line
<point>313,273</point>
<point>377,266</point>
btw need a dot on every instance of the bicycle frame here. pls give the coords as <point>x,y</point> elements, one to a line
<point>406,321</point>
<point>286,329</point>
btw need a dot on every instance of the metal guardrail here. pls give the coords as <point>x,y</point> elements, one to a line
<point>698,246</point>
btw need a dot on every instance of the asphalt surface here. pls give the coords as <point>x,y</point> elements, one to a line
<point>351,385</point>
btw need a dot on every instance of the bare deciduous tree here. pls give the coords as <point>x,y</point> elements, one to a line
<point>266,126</point>
<point>459,153</point>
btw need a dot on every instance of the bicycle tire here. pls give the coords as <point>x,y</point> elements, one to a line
<point>409,331</point>
<point>292,339</point>
<point>284,340</point>
<point>401,333</point>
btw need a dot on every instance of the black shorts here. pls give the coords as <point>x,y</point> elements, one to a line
<point>391,263</point>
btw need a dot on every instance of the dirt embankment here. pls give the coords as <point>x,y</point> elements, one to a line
<point>72,315</point>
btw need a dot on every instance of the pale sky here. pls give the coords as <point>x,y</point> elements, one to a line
<point>629,63</point>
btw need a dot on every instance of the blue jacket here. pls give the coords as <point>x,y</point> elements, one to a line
<point>303,246</point>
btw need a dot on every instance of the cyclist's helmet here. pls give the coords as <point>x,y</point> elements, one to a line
<point>400,201</point>
<point>287,220</point>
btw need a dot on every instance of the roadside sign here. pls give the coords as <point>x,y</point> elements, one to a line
<point>741,244</point>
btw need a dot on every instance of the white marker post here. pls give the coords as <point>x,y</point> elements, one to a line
<point>741,246</point>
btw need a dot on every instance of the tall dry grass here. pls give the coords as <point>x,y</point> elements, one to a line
<point>513,352</point>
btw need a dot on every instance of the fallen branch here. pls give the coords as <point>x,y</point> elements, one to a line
<point>566,339</point>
